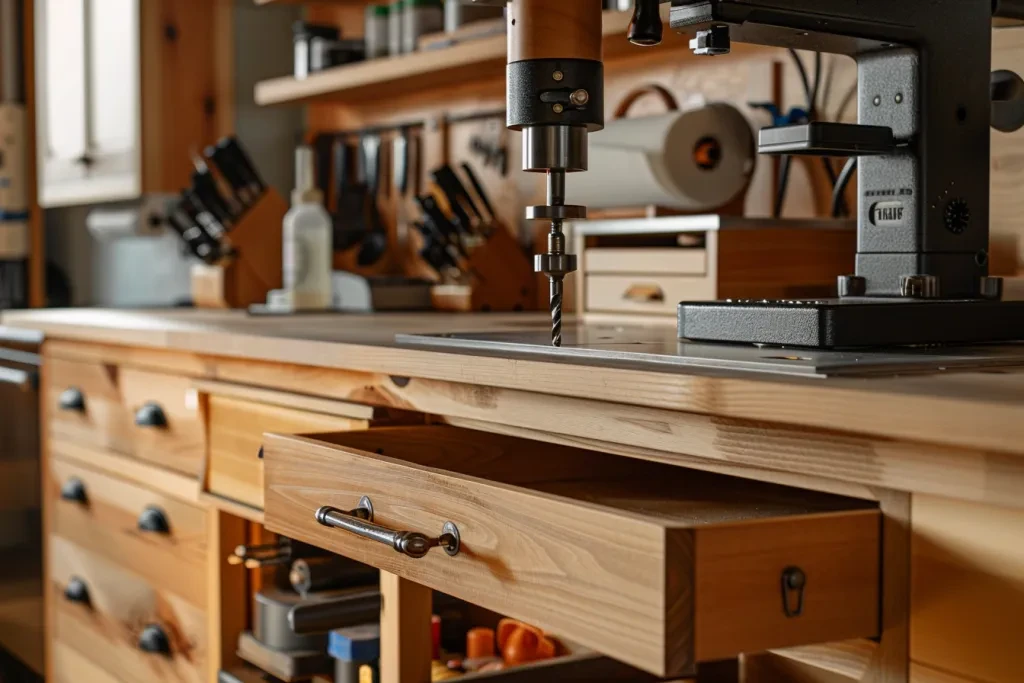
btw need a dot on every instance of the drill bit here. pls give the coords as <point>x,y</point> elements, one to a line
<point>556,264</point>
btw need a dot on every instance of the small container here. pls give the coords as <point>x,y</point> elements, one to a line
<point>458,13</point>
<point>377,31</point>
<point>311,42</point>
<point>422,17</point>
<point>395,26</point>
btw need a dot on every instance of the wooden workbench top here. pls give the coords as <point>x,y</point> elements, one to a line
<point>979,410</point>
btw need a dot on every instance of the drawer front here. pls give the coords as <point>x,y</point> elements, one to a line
<point>655,566</point>
<point>235,470</point>
<point>142,414</point>
<point>159,538</point>
<point>109,611</point>
<point>665,260</point>
<point>645,293</point>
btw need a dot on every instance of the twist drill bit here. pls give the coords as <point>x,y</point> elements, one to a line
<point>556,264</point>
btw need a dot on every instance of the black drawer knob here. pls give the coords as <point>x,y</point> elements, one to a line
<point>154,640</point>
<point>73,491</point>
<point>260,454</point>
<point>153,520</point>
<point>72,400</point>
<point>151,415</point>
<point>78,592</point>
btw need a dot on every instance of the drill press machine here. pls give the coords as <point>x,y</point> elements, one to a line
<point>922,140</point>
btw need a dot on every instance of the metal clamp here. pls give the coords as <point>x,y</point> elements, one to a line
<point>410,543</point>
<point>793,583</point>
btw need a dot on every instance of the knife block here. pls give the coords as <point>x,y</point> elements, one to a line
<point>500,279</point>
<point>254,269</point>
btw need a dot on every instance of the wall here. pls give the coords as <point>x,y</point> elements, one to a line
<point>153,271</point>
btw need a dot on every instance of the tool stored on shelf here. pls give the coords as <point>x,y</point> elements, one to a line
<point>922,141</point>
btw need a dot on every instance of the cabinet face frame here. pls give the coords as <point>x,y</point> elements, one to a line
<point>107,175</point>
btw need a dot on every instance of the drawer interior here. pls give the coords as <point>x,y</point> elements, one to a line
<point>646,489</point>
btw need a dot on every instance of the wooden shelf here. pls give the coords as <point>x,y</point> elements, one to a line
<point>472,61</point>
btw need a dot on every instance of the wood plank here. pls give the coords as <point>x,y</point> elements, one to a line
<point>21,620</point>
<point>972,410</point>
<point>112,396</point>
<point>107,526</point>
<point>405,640</point>
<point>470,61</point>
<point>228,595</point>
<point>71,667</point>
<point>167,482</point>
<point>122,605</point>
<point>967,589</point>
<point>234,470</point>
<point>599,572</point>
<point>36,224</point>
<point>313,404</point>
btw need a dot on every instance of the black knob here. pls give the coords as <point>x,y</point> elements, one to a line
<point>957,215</point>
<point>646,28</point>
<point>72,399</point>
<point>260,454</point>
<point>154,640</point>
<point>76,591</point>
<point>73,491</point>
<point>151,415</point>
<point>1007,93</point>
<point>153,520</point>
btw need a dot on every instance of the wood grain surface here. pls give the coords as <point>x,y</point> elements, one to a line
<point>112,396</point>
<point>122,604</point>
<point>107,527</point>
<point>584,544</point>
<point>236,428</point>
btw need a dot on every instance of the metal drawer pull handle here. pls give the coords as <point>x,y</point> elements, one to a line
<point>72,400</point>
<point>73,491</point>
<point>153,520</point>
<point>409,543</point>
<point>151,415</point>
<point>77,591</point>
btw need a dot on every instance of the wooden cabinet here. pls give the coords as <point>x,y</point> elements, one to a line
<point>146,415</point>
<point>121,84</point>
<point>656,566</point>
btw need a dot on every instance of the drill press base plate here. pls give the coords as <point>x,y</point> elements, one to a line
<point>853,322</point>
<point>658,349</point>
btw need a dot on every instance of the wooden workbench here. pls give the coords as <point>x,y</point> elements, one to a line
<point>943,454</point>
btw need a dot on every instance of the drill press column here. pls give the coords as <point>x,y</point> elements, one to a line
<point>555,97</point>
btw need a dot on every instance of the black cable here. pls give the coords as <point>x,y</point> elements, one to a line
<point>839,191</point>
<point>804,78</point>
<point>780,195</point>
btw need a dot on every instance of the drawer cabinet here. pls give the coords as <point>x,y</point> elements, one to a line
<point>238,418</point>
<point>125,627</point>
<point>656,566</point>
<point>146,415</point>
<point>161,539</point>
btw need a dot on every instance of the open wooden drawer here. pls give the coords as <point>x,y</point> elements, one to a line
<point>656,566</point>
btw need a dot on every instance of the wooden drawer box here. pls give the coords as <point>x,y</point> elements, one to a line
<point>644,267</point>
<point>239,415</point>
<point>158,538</point>
<point>656,566</point>
<point>104,616</point>
<point>146,415</point>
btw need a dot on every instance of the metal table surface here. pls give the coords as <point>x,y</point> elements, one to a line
<point>658,349</point>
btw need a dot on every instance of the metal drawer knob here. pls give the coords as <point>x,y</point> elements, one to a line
<point>73,491</point>
<point>153,520</point>
<point>72,400</point>
<point>78,592</point>
<point>154,640</point>
<point>151,415</point>
<point>409,543</point>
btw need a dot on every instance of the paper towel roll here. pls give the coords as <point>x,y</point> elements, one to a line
<point>657,160</point>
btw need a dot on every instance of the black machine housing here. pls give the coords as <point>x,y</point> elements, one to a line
<point>923,190</point>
